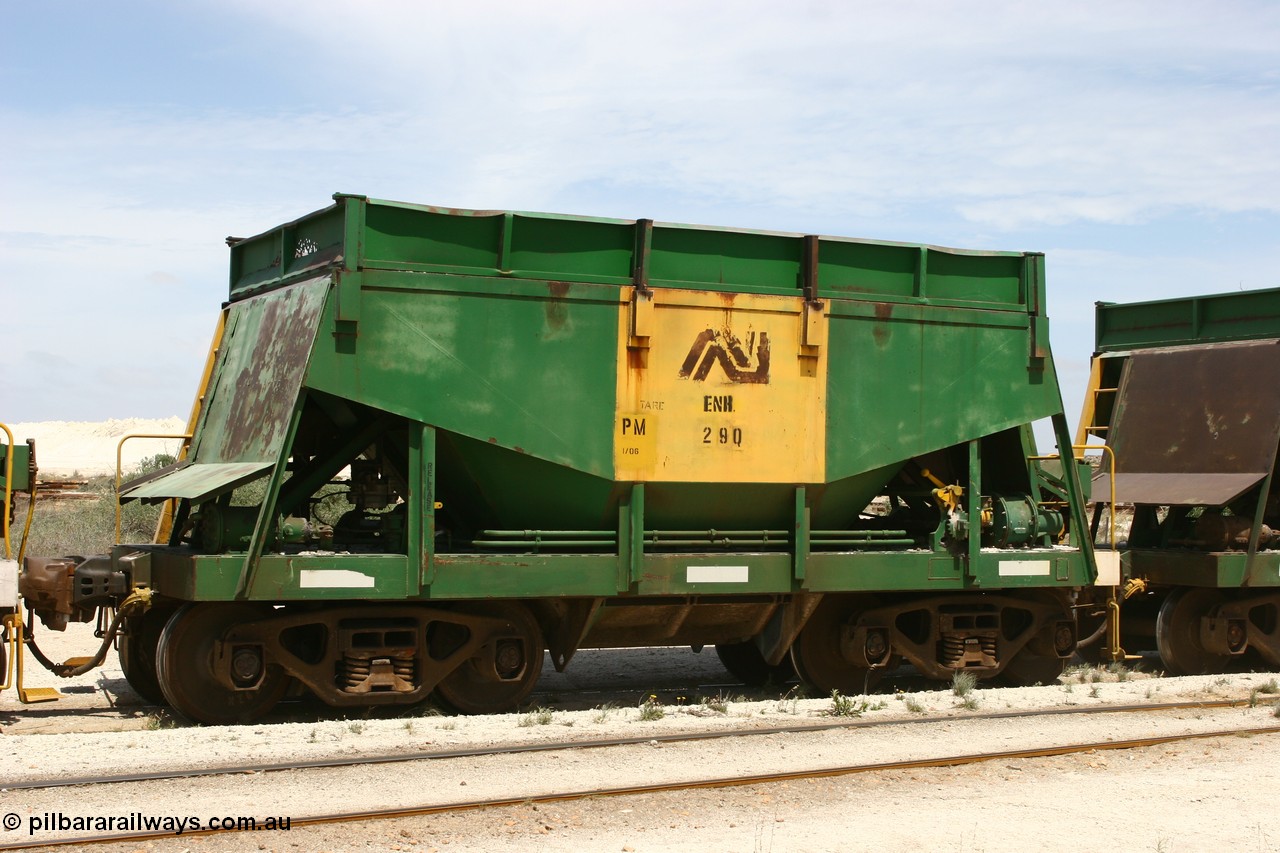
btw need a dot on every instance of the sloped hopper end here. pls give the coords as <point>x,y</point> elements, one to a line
<point>1195,426</point>
<point>251,395</point>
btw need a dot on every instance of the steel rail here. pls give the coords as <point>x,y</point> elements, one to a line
<point>667,787</point>
<point>601,743</point>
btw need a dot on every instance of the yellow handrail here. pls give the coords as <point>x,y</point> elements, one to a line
<point>164,524</point>
<point>11,631</point>
<point>8,490</point>
<point>119,464</point>
<point>1111,456</point>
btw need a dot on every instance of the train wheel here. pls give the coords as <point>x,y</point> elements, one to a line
<point>1178,632</point>
<point>499,677</point>
<point>137,648</point>
<point>745,663</point>
<point>816,652</point>
<point>185,666</point>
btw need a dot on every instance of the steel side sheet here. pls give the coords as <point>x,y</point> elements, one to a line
<point>1195,425</point>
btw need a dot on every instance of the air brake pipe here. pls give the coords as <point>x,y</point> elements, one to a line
<point>138,598</point>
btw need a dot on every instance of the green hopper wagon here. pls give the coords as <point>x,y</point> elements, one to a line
<point>434,445</point>
<point>1186,394</point>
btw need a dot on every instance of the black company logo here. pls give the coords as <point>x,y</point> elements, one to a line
<point>712,347</point>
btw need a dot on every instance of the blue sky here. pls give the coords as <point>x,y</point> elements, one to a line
<point>1136,144</point>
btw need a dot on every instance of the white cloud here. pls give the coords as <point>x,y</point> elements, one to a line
<point>968,124</point>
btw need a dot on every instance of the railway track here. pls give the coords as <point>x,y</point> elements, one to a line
<point>603,743</point>
<point>703,782</point>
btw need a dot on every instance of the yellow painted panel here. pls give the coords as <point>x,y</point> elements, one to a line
<point>721,390</point>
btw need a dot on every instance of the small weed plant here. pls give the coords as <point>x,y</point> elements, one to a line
<point>914,705</point>
<point>789,702</point>
<point>846,706</point>
<point>161,720</point>
<point>962,685</point>
<point>651,709</point>
<point>1270,687</point>
<point>537,717</point>
<point>1120,671</point>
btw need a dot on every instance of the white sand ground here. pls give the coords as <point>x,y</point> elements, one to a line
<point>1192,796</point>
<point>81,448</point>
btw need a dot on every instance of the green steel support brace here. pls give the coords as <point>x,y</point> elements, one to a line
<point>305,482</point>
<point>427,473</point>
<point>644,245</point>
<point>630,537</point>
<point>1256,535</point>
<point>636,563</point>
<point>348,277</point>
<point>1071,474</point>
<point>801,544</point>
<point>973,508</point>
<point>622,574</point>
<point>504,247</point>
<point>1034,286</point>
<point>265,526</point>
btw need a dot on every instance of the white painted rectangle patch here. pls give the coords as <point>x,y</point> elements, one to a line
<point>716,574</point>
<point>333,578</point>
<point>9,583</point>
<point>1108,568</point>
<point>1024,568</point>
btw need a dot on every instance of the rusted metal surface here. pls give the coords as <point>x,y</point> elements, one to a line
<point>1195,425</point>
<point>264,356</point>
<point>195,481</point>
<point>1189,489</point>
<point>47,585</point>
<point>255,384</point>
